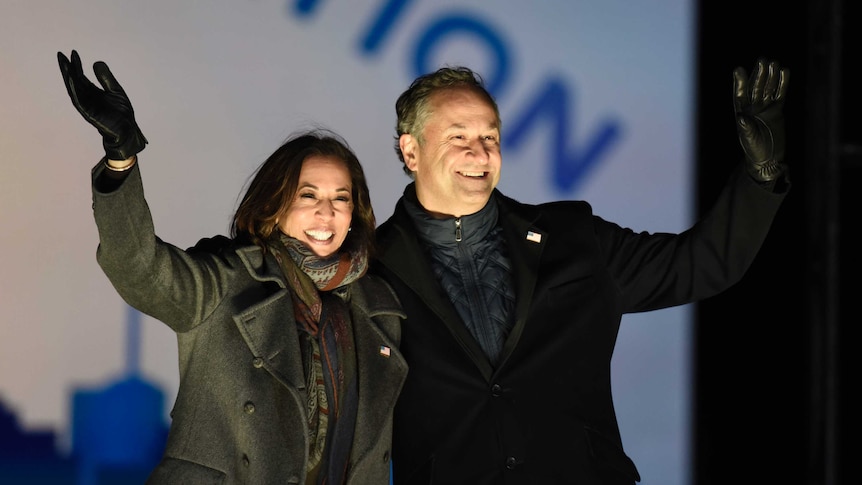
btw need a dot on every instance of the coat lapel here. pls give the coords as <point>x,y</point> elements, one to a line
<point>381,367</point>
<point>526,242</point>
<point>262,325</point>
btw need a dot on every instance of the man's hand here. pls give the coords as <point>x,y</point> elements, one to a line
<point>758,102</point>
<point>108,109</point>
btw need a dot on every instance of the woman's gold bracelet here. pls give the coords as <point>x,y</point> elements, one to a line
<point>121,169</point>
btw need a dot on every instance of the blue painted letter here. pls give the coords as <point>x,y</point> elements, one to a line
<point>569,165</point>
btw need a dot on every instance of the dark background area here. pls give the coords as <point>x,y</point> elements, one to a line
<point>772,388</point>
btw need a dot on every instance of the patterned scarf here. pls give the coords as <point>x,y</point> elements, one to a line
<point>329,357</point>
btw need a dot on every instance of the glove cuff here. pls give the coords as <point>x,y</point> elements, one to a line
<point>133,145</point>
<point>766,171</point>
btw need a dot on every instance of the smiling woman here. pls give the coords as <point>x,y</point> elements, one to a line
<point>320,213</point>
<point>273,324</point>
<point>310,189</point>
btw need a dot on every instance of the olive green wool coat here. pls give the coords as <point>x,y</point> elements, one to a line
<point>240,411</point>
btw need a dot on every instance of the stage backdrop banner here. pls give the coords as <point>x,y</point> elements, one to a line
<point>596,101</point>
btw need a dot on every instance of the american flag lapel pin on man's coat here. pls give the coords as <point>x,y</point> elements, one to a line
<point>534,236</point>
<point>385,351</point>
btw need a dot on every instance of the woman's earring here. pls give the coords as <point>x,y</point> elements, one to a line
<point>349,228</point>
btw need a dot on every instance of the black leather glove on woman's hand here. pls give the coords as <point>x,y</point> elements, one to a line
<point>758,102</point>
<point>109,110</point>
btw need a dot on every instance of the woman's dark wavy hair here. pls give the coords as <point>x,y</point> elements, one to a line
<point>275,183</point>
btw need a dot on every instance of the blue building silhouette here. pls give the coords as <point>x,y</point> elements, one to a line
<point>118,433</point>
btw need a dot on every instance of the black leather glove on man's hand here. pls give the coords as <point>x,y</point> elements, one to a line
<point>109,110</point>
<point>758,102</point>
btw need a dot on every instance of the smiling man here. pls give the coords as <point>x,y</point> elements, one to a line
<point>457,154</point>
<point>513,309</point>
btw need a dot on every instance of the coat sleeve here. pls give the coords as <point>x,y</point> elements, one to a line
<point>178,287</point>
<point>659,270</point>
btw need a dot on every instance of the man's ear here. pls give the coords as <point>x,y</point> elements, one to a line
<point>409,146</point>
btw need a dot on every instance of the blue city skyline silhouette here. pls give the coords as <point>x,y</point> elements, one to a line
<point>118,432</point>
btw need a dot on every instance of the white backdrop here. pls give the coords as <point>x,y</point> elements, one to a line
<point>217,85</point>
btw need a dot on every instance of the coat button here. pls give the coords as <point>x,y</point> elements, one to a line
<point>257,362</point>
<point>386,456</point>
<point>496,390</point>
<point>248,408</point>
<point>511,463</point>
<point>245,461</point>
